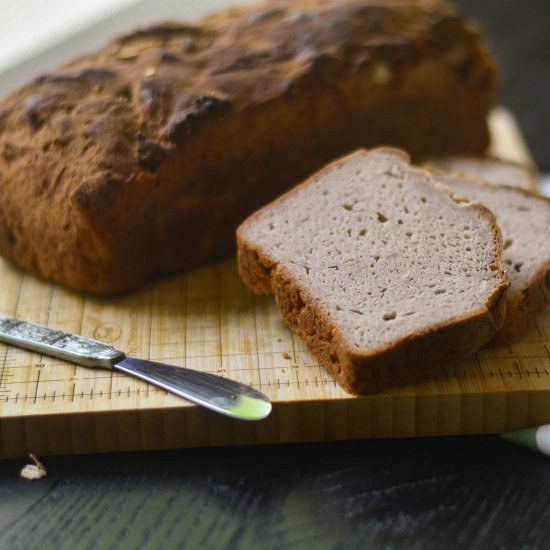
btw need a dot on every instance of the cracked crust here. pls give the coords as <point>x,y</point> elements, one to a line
<point>151,151</point>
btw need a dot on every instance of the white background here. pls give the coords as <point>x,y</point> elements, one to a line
<point>38,35</point>
<point>29,26</point>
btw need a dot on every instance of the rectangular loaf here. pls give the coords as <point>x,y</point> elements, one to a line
<point>143,158</point>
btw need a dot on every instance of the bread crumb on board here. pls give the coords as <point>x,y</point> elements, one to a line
<point>34,471</point>
<point>286,355</point>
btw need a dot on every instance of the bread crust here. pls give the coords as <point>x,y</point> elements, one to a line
<point>406,361</point>
<point>523,309</point>
<point>361,371</point>
<point>143,157</point>
<point>525,305</point>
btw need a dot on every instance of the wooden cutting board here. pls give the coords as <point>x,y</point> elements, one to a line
<point>208,320</point>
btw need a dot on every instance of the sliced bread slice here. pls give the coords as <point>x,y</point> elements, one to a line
<point>491,170</point>
<point>524,220</point>
<point>378,269</point>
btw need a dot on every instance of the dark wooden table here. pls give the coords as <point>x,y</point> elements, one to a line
<point>464,492</point>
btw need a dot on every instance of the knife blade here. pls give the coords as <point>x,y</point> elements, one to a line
<point>216,393</point>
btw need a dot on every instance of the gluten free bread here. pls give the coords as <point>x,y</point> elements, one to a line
<point>143,157</point>
<point>382,273</point>
<point>524,220</point>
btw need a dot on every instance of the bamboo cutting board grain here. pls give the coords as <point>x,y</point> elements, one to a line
<point>208,320</point>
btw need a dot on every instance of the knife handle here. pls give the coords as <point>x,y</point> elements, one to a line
<point>69,347</point>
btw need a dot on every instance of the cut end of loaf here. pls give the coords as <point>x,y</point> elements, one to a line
<point>378,268</point>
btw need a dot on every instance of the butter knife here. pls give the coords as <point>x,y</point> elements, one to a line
<point>216,393</point>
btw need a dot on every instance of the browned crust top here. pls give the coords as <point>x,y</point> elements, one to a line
<point>122,109</point>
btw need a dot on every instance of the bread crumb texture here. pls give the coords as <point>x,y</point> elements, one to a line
<point>370,258</point>
<point>524,219</point>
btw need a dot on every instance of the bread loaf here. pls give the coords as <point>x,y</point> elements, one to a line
<point>382,273</point>
<point>524,220</point>
<point>143,157</point>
